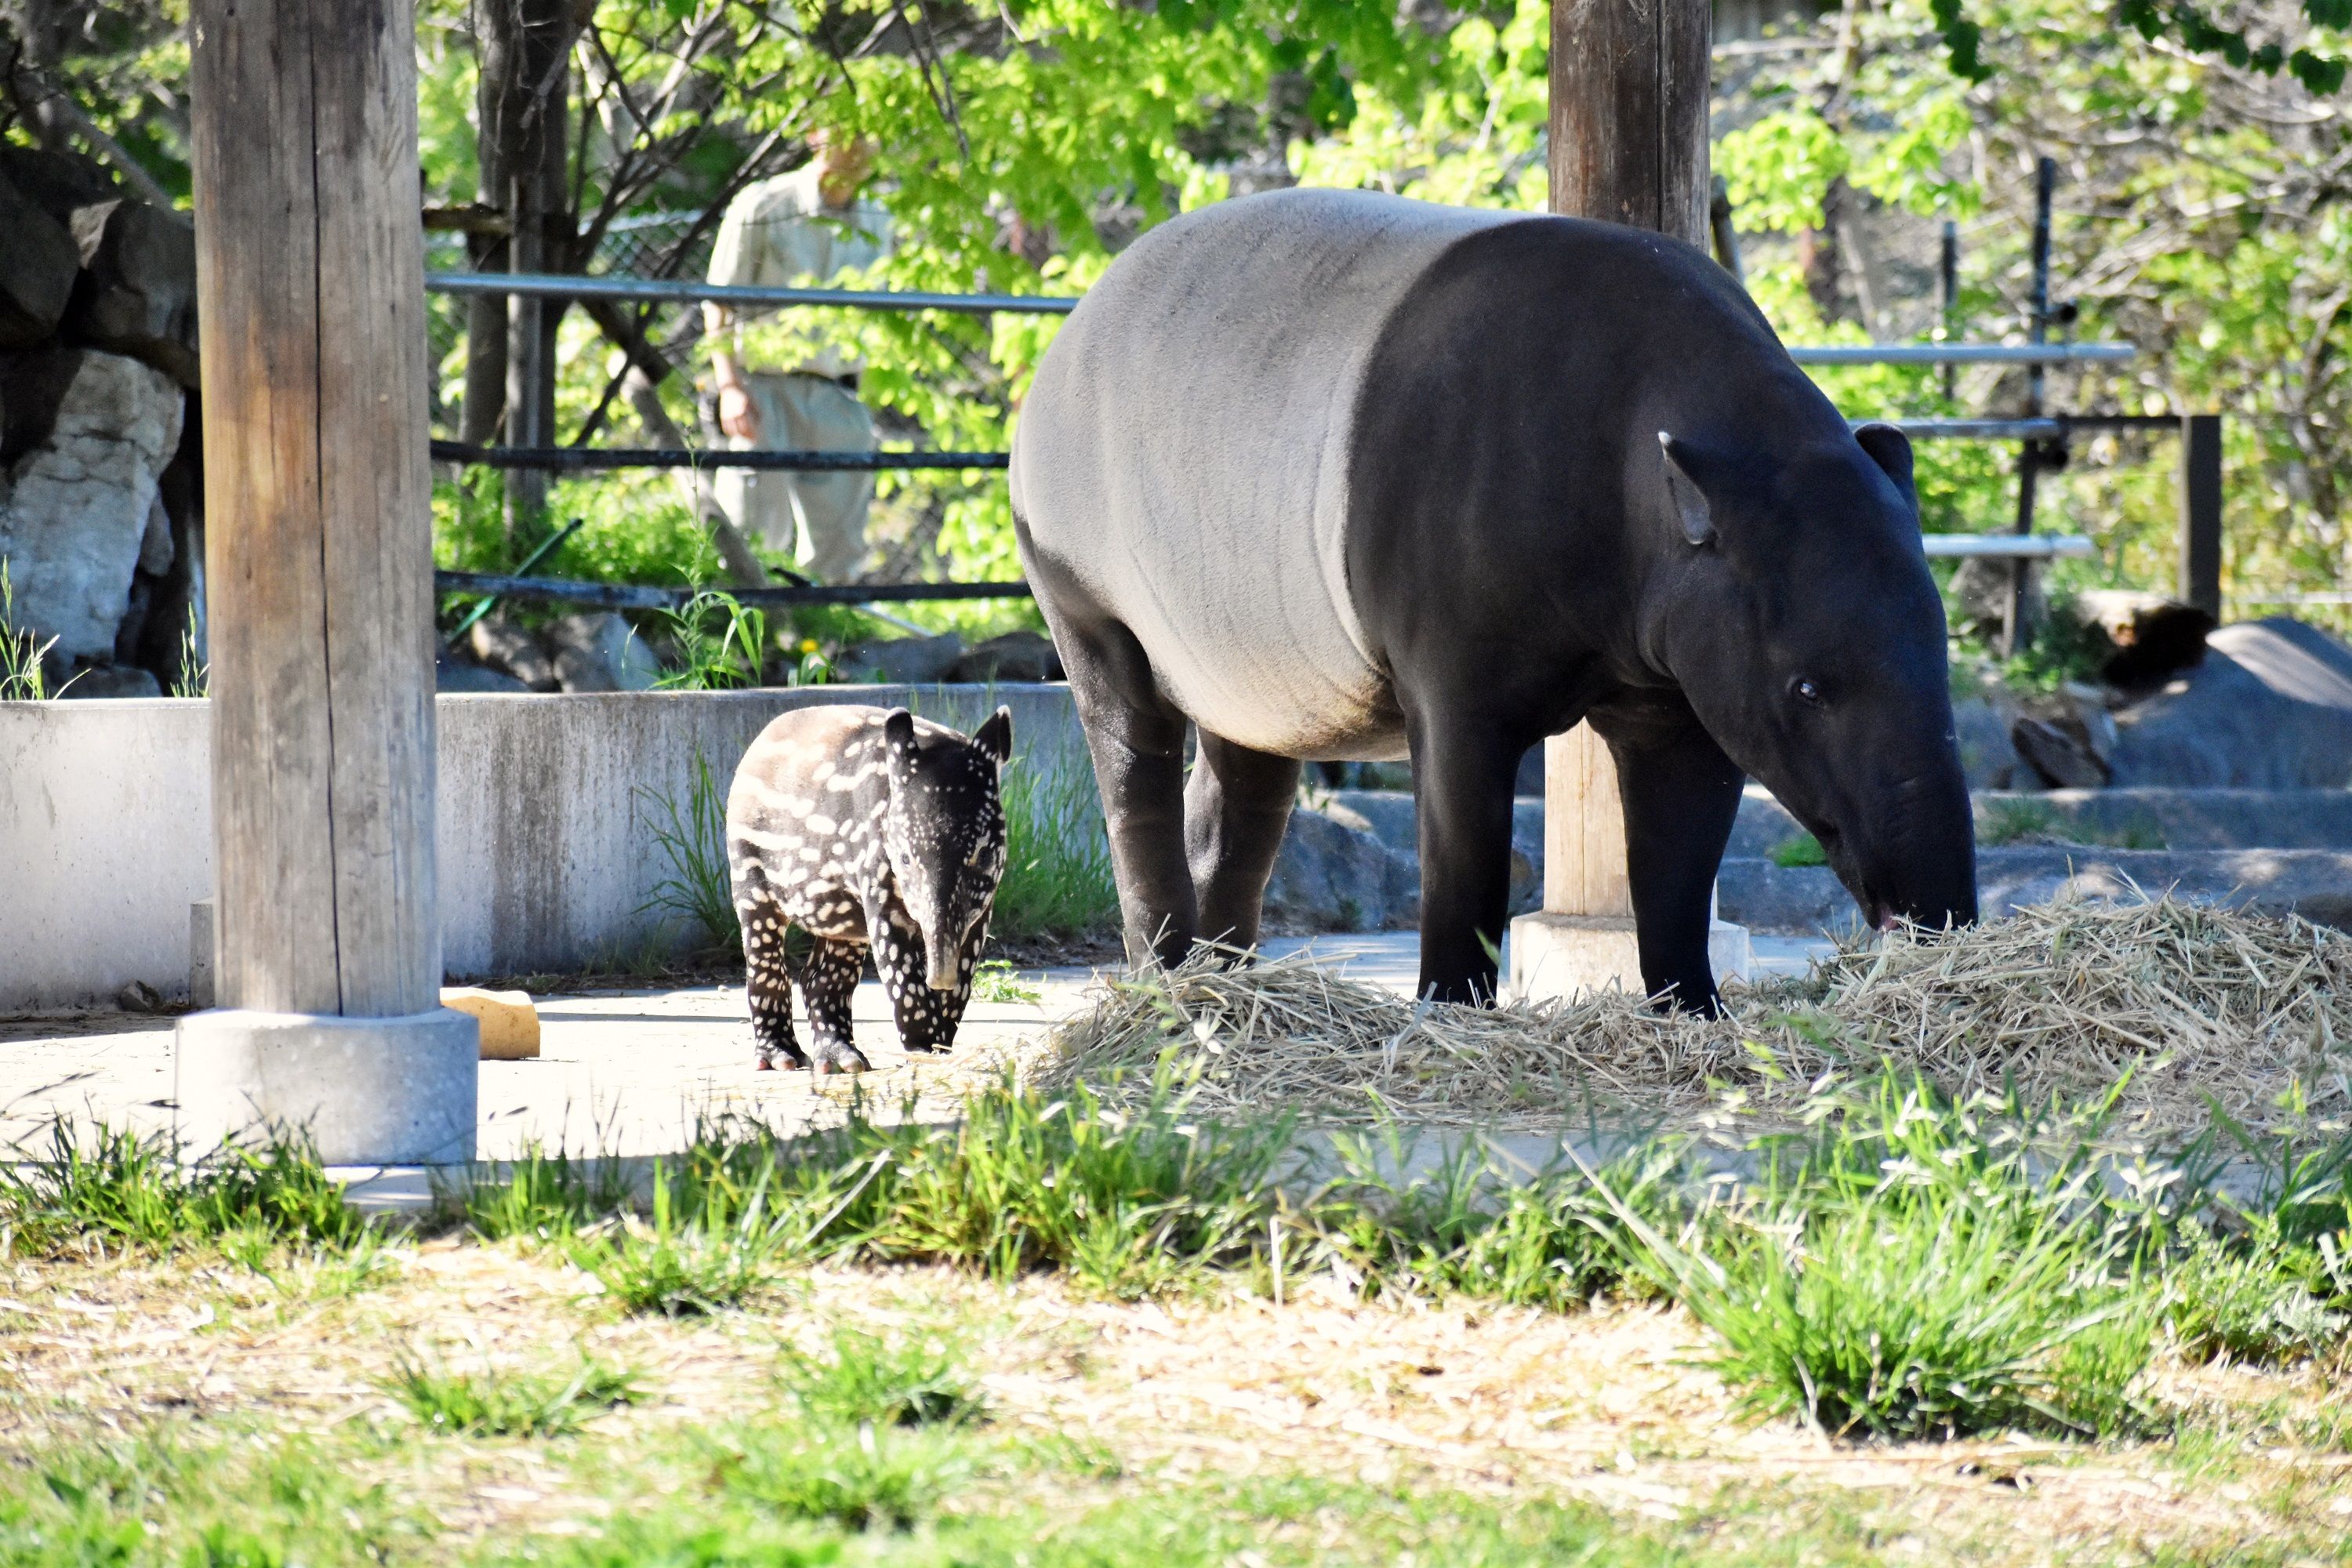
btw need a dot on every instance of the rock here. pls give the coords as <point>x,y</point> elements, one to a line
<point>59,183</point>
<point>2153,637</point>
<point>900,661</point>
<point>499,644</point>
<point>138,295</point>
<point>74,508</point>
<point>155,548</point>
<point>602,652</point>
<point>1987,755</point>
<point>2269,708</point>
<point>1981,592</point>
<point>2061,757</point>
<point>111,680</point>
<point>137,997</point>
<point>1330,876</point>
<point>454,675</point>
<point>1015,655</point>
<point>37,268</point>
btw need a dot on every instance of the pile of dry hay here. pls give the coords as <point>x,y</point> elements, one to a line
<point>2204,1008</point>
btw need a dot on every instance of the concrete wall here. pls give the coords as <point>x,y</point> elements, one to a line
<point>546,855</point>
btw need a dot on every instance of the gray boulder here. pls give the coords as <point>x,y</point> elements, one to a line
<point>602,652</point>
<point>1015,655</point>
<point>75,506</point>
<point>1332,878</point>
<point>2270,708</point>
<point>138,296</point>
<point>37,266</point>
<point>1987,755</point>
<point>111,680</point>
<point>897,661</point>
<point>499,644</point>
<point>455,674</point>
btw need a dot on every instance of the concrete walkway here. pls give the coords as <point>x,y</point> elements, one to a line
<point>623,1072</point>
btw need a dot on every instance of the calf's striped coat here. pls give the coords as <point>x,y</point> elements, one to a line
<point>865,828</point>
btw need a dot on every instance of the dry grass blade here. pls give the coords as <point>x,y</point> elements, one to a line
<point>2202,1008</point>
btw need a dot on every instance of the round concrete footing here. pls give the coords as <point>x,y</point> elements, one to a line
<point>1567,955</point>
<point>366,1092</point>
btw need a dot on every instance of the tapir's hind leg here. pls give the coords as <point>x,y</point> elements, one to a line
<point>1235,809</point>
<point>1136,737</point>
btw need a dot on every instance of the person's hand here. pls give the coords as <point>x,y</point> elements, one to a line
<point>737,415</point>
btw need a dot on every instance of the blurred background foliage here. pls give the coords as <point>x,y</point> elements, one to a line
<point>2200,216</point>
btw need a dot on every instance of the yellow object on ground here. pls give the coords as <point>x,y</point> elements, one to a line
<point>510,1022</point>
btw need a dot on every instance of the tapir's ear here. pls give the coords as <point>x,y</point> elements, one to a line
<point>1891,450</point>
<point>898,730</point>
<point>1690,501</point>
<point>995,737</point>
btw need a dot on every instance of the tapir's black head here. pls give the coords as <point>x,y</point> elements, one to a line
<point>944,833</point>
<point>1806,633</point>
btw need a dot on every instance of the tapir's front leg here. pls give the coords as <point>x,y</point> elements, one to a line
<point>1681,794</point>
<point>1461,774</point>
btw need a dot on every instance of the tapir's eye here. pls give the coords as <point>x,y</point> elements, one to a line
<point>1807,692</point>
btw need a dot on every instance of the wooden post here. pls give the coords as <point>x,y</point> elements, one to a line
<point>1629,144</point>
<point>310,301</point>
<point>2200,512</point>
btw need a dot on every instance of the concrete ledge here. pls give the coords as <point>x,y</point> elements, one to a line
<point>368,1091</point>
<point>1564,956</point>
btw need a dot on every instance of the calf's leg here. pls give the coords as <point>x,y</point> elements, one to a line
<point>1235,809</point>
<point>767,973</point>
<point>829,980</point>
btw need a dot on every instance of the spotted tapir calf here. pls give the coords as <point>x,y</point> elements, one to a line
<point>865,828</point>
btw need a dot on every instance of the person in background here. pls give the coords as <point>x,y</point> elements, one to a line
<point>802,228</point>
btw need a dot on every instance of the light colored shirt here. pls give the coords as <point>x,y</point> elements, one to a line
<point>779,233</point>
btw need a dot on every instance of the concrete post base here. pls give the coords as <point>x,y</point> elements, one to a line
<point>1561,956</point>
<point>369,1092</point>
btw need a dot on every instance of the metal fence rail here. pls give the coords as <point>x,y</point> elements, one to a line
<point>633,597</point>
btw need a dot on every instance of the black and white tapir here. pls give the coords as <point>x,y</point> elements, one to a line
<point>865,828</point>
<point>1331,474</point>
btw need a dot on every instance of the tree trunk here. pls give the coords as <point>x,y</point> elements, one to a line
<point>525,50</point>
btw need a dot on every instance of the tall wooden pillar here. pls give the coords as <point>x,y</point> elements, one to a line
<point>310,299</point>
<point>1629,144</point>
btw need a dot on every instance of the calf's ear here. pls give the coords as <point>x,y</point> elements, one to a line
<point>1891,450</point>
<point>898,730</point>
<point>996,736</point>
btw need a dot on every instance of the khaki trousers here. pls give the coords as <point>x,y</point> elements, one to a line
<point>819,517</point>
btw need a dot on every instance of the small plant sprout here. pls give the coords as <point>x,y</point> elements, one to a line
<point>494,1403</point>
<point>908,1381</point>
<point>22,677</point>
<point>694,842</point>
<point>721,643</point>
<point>998,981</point>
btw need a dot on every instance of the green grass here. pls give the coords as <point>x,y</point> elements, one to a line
<point>998,981</point>
<point>22,677</point>
<point>2034,822</point>
<point>545,1197</point>
<point>1803,850</point>
<point>494,1404</point>
<point>1908,1274</point>
<point>1057,870</point>
<point>693,840</point>
<point>865,1379</point>
<point>709,1242</point>
<point>113,1188</point>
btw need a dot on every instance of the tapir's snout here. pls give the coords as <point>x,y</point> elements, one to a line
<point>1912,856</point>
<point>942,960</point>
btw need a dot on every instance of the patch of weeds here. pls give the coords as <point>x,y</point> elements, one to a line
<point>546,1197</point>
<point>493,1403</point>
<point>1058,871</point>
<point>709,1242</point>
<point>1804,850</point>
<point>114,1187</point>
<point>2037,822</point>
<point>1911,1279</point>
<point>694,842</point>
<point>192,675</point>
<point>722,644</point>
<point>903,1382</point>
<point>998,981</point>
<point>866,1478</point>
<point>1125,1203</point>
<point>1470,1228</point>
<point>22,678</point>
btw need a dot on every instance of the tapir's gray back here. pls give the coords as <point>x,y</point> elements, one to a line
<point>1183,453</point>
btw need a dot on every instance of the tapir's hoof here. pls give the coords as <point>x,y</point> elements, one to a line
<point>832,1057</point>
<point>764,1065</point>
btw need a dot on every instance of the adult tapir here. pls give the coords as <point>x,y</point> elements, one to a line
<point>1341,475</point>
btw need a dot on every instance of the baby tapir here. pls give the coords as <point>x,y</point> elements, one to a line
<point>865,826</point>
